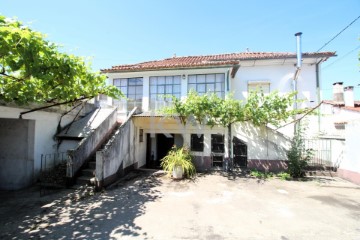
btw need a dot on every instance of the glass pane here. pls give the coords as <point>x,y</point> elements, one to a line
<point>139,90</point>
<point>124,90</point>
<point>132,81</point>
<point>192,86</point>
<point>139,81</point>
<point>169,89</point>
<point>161,90</point>
<point>200,78</point>
<point>116,82</point>
<point>210,87</point>
<point>131,90</point>
<point>210,78</point>
<point>201,88</point>
<point>153,89</point>
<point>219,87</point>
<point>220,77</point>
<point>131,97</point>
<point>177,95</point>
<point>153,80</point>
<point>123,82</point>
<point>219,94</point>
<point>161,80</point>
<point>192,78</point>
<point>176,89</point>
<point>169,80</point>
<point>177,80</point>
<point>153,96</point>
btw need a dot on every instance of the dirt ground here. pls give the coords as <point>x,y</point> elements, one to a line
<point>217,205</point>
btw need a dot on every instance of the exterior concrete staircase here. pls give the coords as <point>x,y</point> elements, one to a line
<point>87,173</point>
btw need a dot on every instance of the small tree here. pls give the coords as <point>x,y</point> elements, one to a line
<point>34,70</point>
<point>209,109</point>
<point>298,155</point>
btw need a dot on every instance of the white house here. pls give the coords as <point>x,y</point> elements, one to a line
<point>340,126</point>
<point>237,73</point>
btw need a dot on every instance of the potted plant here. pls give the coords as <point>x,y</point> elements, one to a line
<point>178,162</point>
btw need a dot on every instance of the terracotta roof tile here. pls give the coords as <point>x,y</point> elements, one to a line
<point>342,105</point>
<point>211,60</point>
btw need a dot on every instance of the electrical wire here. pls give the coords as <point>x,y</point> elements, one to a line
<point>347,54</point>
<point>338,34</point>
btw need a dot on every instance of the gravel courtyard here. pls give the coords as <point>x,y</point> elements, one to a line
<point>213,206</point>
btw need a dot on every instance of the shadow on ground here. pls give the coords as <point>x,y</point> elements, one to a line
<point>82,214</point>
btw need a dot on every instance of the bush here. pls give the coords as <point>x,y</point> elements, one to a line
<point>298,155</point>
<point>179,157</point>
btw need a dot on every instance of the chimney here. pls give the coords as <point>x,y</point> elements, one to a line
<point>298,49</point>
<point>338,93</point>
<point>349,96</point>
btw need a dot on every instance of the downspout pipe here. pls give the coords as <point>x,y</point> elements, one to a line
<point>298,68</point>
<point>230,159</point>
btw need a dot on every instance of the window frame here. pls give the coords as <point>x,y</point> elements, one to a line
<point>197,146</point>
<point>208,82</point>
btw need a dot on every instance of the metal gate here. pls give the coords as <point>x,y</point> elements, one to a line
<point>326,152</point>
<point>240,153</point>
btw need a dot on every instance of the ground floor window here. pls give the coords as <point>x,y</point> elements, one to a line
<point>197,142</point>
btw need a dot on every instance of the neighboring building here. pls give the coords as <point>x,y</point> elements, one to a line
<point>144,85</point>
<point>340,126</point>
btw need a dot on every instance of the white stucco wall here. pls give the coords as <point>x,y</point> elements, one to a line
<point>45,129</point>
<point>352,157</point>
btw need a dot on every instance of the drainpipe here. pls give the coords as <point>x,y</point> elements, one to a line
<point>298,69</point>
<point>230,159</point>
<point>318,92</point>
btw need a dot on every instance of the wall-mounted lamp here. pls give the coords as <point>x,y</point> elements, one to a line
<point>183,76</point>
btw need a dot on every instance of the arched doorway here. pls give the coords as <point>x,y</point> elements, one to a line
<point>239,152</point>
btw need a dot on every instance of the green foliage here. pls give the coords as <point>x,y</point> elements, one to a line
<point>212,110</point>
<point>284,176</point>
<point>33,69</point>
<point>298,155</point>
<point>179,157</point>
<point>261,175</point>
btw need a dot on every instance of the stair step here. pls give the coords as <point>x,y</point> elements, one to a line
<point>83,180</point>
<point>92,165</point>
<point>88,172</point>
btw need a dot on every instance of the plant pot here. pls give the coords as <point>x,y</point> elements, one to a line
<point>178,172</point>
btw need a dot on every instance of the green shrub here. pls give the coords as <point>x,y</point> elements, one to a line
<point>298,155</point>
<point>261,175</point>
<point>284,176</point>
<point>179,157</point>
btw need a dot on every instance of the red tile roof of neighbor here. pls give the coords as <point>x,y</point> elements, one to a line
<point>342,105</point>
<point>212,60</point>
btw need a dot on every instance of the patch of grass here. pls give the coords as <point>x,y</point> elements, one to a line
<point>261,175</point>
<point>284,176</point>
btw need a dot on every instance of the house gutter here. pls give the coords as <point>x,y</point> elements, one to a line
<point>317,72</point>
<point>230,159</point>
<point>297,72</point>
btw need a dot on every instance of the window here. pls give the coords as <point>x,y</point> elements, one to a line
<point>141,135</point>
<point>259,86</point>
<point>217,143</point>
<point>163,85</point>
<point>204,83</point>
<point>197,142</point>
<point>132,88</point>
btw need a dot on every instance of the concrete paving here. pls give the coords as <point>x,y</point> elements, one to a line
<point>213,206</point>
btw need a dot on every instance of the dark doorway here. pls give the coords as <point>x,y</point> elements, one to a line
<point>217,150</point>
<point>240,153</point>
<point>164,144</point>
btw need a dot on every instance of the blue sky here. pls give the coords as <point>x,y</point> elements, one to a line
<point>116,32</point>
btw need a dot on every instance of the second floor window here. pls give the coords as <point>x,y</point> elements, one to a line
<point>161,86</point>
<point>132,88</point>
<point>208,83</point>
